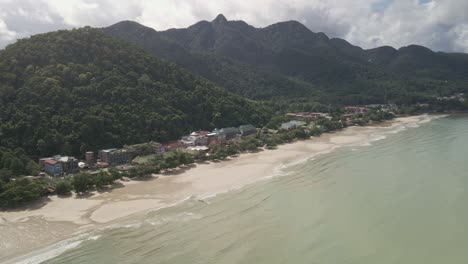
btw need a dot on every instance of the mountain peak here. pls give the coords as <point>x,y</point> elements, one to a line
<point>220,19</point>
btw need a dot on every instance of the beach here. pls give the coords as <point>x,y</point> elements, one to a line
<point>27,230</point>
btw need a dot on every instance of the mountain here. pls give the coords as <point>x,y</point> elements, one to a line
<point>70,91</point>
<point>286,59</point>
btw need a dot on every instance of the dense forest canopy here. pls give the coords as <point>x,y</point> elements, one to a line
<point>66,92</point>
<point>288,60</point>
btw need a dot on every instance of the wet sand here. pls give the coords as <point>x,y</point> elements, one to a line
<point>26,230</point>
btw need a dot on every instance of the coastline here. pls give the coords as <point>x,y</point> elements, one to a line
<point>24,231</point>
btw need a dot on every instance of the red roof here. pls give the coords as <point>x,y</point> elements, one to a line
<point>176,144</point>
<point>51,162</point>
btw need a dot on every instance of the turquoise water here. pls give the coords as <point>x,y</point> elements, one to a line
<point>401,200</point>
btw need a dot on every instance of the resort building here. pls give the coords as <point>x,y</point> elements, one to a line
<point>196,138</point>
<point>292,124</point>
<point>247,130</point>
<point>59,165</point>
<point>89,157</point>
<point>173,145</point>
<point>229,133</point>
<point>213,139</point>
<point>53,167</point>
<point>114,156</point>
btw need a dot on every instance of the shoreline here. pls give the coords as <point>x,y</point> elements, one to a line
<point>25,231</point>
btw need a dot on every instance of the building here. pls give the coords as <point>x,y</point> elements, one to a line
<point>213,139</point>
<point>173,146</point>
<point>228,133</point>
<point>114,156</point>
<point>53,167</point>
<point>247,130</point>
<point>292,124</point>
<point>89,157</point>
<point>59,165</point>
<point>69,164</point>
<point>188,141</point>
<point>196,138</point>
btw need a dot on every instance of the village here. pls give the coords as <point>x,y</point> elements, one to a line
<point>203,143</point>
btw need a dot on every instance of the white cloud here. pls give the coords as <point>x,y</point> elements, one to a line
<point>438,24</point>
<point>6,35</point>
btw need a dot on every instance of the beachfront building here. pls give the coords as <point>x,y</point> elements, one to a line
<point>59,165</point>
<point>69,164</point>
<point>292,124</point>
<point>89,157</point>
<point>247,130</point>
<point>213,139</point>
<point>196,138</point>
<point>114,156</point>
<point>229,133</point>
<point>173,146</point>
<point>53,167</point>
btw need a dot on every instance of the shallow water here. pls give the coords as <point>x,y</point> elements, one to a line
<point>399,199</point>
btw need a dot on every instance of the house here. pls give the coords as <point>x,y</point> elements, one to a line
<point>59,165</point>
<point>173,145</point>
<point>196,138</point>
<point>89,157</point>
<point>69,164</point>
<point>114,156</point>
<point>292,124</point>
<point>247,130</point>
<point>53,167</point>
<point>188,141</point>
<point>229,132</point>
<point>213,139</point>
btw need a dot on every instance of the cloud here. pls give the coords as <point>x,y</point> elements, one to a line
<point>438,24</point>
<point>6,35</point>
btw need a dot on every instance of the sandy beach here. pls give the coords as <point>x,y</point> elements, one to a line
<point>27,230</point>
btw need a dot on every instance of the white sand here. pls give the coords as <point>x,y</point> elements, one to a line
<point>140,197</point>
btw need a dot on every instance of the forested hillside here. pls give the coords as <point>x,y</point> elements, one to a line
<point>67,92</point>
<point>288,60</point>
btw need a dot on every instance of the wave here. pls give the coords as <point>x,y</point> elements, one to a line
<point>54,250</point>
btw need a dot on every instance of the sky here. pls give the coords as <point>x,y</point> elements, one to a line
<point>441,25</point>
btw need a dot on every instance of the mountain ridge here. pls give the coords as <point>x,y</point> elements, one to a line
<point>304,63</point>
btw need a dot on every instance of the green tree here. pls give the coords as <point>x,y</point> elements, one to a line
<point>81,183</point>
<point>63,187</point>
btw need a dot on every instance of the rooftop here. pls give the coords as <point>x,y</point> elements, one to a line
<point>109,150</point>
<point>51,161</point>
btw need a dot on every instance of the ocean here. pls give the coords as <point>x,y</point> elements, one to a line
<point>400,198</point>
